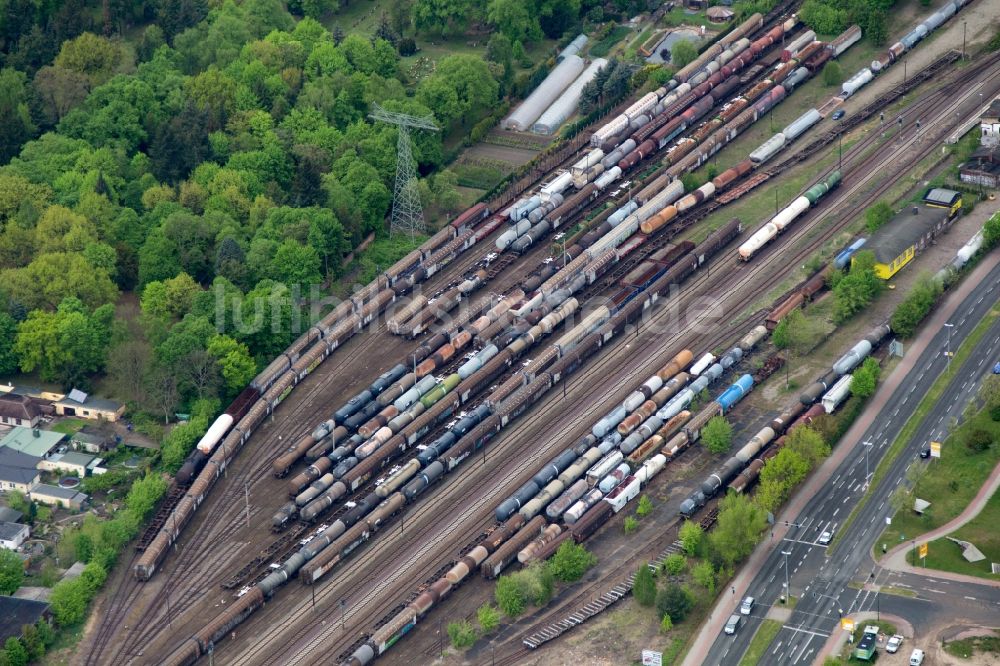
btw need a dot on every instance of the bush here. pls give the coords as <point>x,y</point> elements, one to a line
<point>878,214</point>
<point>644,587</point>
<point>631,524</point>
<point>407,46</point>
<point>717,435</point>
<point>571,561</point>
<point>915,307</point>
<point>488,617</point>
<point>978,440</point>
<point>666,624</point>
<point>675,564</point>
<point>865,378</point>
<point>833,74</point>
<point>991,232</point>
<point>11,571</point>
<point>510,596</point>
<point>691,536</point>
<point>856,290</point>
<point>462,634</point>
<point>682,53</point>
<point>704,574</point>
<point>645,506</point>
<point>674,601</point>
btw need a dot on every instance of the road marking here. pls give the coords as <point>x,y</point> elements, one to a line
<point>845,500</point>
<point>836,512</point>
<point>970,598</point>
<point>777,647</point>
<point>806,631</point>
<point>935,591</point>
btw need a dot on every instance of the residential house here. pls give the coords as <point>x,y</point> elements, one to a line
<point>19,410</point>
<point>44,493</point>
<point>32,441</point>
<point>18,471</point>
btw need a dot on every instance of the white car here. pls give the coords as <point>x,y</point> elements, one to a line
<point>747,606</point>
<point>892,645</point>
<point>825,538</point>
<point>917,658</point>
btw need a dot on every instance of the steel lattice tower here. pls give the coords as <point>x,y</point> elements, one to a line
<point>407,214</point>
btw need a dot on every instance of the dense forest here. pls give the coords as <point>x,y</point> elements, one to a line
<point>216,160</point>
<point>198,153</point>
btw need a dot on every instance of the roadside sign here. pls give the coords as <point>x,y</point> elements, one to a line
<point>935,449</point>
<point>652,658</point>
<point>888,520</point>
<point>847,624</point>
<point>922,550</point>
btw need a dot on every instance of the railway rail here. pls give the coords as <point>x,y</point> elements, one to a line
<point>369,341</point>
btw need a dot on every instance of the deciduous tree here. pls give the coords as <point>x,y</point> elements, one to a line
<point>644,586</point>
<point>682,53</point>
<point>571,561</point>
<point>739,528</point>
<point>11,571</point>
<point>717,435</point>
<point>674,601</point>
<point>691,536</point>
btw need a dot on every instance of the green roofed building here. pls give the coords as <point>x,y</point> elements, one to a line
<point>32,441</point>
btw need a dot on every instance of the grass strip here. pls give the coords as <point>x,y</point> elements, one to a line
<point>761,640</point>
<point>919,414</point>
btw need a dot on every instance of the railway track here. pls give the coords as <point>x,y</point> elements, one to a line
<point>370,341</point>
<point>866,166</point>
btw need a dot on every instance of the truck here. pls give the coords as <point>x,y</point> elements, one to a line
<point>866,646</point>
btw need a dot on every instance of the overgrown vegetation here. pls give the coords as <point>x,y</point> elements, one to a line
<point>830,18</point>
<point>877,215</point>
<point>717,435</point>
<point>535,583</point>
<point>913,309</point>
<point>854,291</point>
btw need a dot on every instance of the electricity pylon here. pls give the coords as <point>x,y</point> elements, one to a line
<point>407,214</point>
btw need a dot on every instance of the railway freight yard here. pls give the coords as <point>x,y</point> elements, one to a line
<point>515,385</point>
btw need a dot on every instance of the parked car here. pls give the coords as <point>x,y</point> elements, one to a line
<point>733,624</point>
<point>892,645</point>
<point>925,452</point>
<point>747,606</point>
<point>825,538</point>
<point>996,368</point>
<point>917,657</point>
<point>838,114</point>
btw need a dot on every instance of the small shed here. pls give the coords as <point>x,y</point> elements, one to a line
<point>720,14</point>
<point>12,535</point>
<point>940,197</point>
<point>91,442</point>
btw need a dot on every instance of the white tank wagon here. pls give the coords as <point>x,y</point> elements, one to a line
<point>565,105</point>
<point>542,97</point>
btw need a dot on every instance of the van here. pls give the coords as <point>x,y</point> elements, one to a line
<point>733,624</point>
<point>917,658</point>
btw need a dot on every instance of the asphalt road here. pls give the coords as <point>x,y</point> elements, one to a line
<point>819,578</point>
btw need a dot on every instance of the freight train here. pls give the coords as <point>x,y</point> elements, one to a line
<point>729,473</point>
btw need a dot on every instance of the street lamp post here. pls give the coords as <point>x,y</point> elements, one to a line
<point>868,447</point>
<point>788,591</point>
